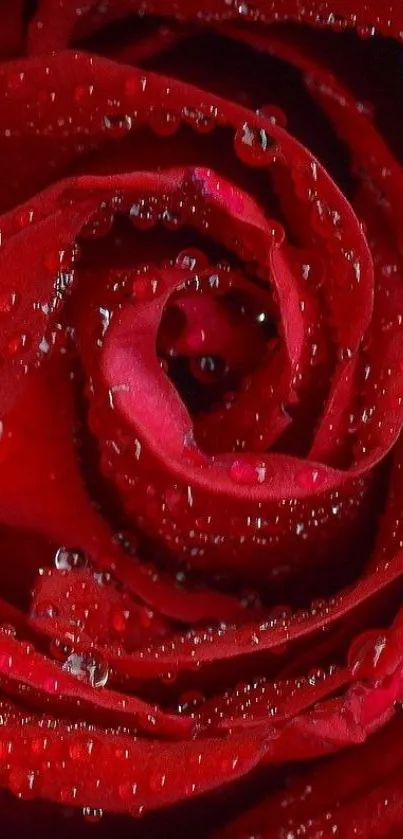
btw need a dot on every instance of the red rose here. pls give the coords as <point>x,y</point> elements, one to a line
<point>201,376</point>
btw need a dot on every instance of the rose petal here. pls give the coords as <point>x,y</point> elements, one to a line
<point>50,31</point>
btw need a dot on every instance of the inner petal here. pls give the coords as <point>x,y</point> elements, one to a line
<point>210,342</point>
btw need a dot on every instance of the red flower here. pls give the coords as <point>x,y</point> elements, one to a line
<point>201,376</point>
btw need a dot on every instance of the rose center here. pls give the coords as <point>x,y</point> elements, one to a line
<point>210,343</point>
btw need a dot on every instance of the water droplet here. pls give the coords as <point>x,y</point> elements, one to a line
<point>174,498</point>
<point>345,354</point>
<point>243,472</point>
<point>253,145</point>
<point>8,302</point>
<point>8,630</point>
<point>366,652</point>
<point>274,114</point>
<point>191,452</point>
<point>64,281</point>
<point>102,578</point>
<point>6,661</point>
<point>117,125</point>
<point>189,700</point>
<point>99,225</point>
<point>58,649</point>
<point>309,478</point>
<point>39,745</point>
<point>229,765</point>
<point>146,287</point>
<point>208,364</point>
<point>92,814</point>
<point>133,86</point>
<point>127,790</point>
<point>83,747</point>
<point>168,678</point>
<point>242,8</point>
<point>192,260</point>
<point>119,620</point>
<point>20,343</point>
<point>67,559</point>
<point>157,781</point>
<point>250,599</point>
<point>24,217</point>
<point>87,667</point>
<point>163,122</point>
<point>45,609</point>
<point>366,31</point>
<point>199,121</point>
<point>142,216</point>
<point>67,796</point>
<point>170,219</point>
<point>22,782</point>
<point>82,93</point>
<point>208,368</point>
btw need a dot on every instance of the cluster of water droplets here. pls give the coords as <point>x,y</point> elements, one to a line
<point>253,142</point>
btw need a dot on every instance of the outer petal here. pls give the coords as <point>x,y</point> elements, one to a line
<point>50,31</point>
